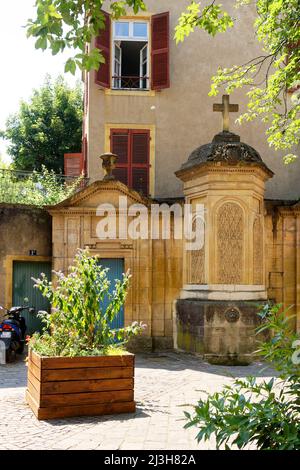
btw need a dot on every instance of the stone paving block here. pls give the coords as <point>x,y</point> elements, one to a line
<point>162,384</point>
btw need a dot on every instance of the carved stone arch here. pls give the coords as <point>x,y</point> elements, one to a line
<point>258,275</point>
<point>196,269</point>
<point>230,243</point>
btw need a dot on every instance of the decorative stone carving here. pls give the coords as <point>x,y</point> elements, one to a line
<point>109,161</point>
<point>232,315</point>
<point>196,268</point>
<point>257,253</point>
<point>225,147</point>
<point>230,244</point>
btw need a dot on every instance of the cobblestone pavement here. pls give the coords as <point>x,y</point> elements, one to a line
<point>163,383</point>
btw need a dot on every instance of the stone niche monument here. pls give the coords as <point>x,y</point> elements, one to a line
<point>224,281</point>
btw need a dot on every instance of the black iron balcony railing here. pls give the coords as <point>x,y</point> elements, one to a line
<point>25,187</point>
<point>130,82</point>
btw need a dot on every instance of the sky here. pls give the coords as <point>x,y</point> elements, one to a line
<point>22,67</point>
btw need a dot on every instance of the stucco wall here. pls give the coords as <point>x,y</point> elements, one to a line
<point>182,115</point>
<point>22,228</point>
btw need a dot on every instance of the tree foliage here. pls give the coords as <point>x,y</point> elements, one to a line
<point>250,411</point>
<point>46,127</point>
<point>61,24</point>
<point>66,23</point>
<point>35,189</point>
<point>273,77</point>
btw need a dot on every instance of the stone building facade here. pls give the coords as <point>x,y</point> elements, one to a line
<point>204,300</point>
<point>149,105</point>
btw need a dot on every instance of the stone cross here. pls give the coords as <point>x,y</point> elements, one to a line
<point>225,108</point>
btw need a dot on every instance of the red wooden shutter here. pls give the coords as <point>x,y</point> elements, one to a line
<point>73,164</point>
<point>160,74</point>
<point>119,144</point>
<point>132,147</point>
<point>140,147</point>
<point>121,174</point>
<point>140,180</point>
<point>102,76</point>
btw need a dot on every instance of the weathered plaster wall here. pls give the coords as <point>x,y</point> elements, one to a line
<point>182,115</point>
<point>22,228</point>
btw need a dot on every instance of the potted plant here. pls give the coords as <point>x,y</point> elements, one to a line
<point>78,365</point>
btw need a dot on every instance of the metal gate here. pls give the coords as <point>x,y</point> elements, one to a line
<point>23,288</point>
<point>116,270</point>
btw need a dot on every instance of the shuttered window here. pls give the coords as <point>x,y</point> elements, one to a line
<point>160,51</point>
<point>132,148</point>
<point>160,55</point>
<point>103,41</point>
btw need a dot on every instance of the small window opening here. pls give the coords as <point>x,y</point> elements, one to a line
<point>131,56</point>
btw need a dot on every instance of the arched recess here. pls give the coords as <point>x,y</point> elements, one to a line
<point>230,244</point>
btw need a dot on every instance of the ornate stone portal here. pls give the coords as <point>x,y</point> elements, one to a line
<point>224,280</point>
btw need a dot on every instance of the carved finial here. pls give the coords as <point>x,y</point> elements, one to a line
<point>225,108</point>
<point>108,164</point>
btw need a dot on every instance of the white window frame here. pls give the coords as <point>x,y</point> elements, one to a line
<point>132,38</point>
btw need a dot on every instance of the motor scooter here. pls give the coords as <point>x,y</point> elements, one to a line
<point>13,330</point>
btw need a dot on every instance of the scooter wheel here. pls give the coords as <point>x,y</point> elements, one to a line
<point>10,355</point>
<point>21,349</point>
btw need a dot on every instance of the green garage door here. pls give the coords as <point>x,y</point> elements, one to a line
<point>116,270</point>
<point>23,288</point>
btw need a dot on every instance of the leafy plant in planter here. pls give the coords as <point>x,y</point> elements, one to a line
<point>265,413</point>
<point>79,365</point>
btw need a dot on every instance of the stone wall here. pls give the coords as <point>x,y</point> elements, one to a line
<point>22,228</point>
<point>282,223</point>
<point>155,265</point>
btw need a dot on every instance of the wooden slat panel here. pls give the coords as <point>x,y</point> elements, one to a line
<point>32,403</point>
<point>36,371</point>
<point>35,358</point>
<point>125,360</point>
<point>34,381</point>
<point>78,386</point>
<point>84,398</point>
<point>103,42</point>
<point>160,51</point>
<point>33,392</point>
<point>53,375</point>
<point>86,410</point>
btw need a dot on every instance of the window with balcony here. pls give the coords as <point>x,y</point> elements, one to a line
<point>130,55</point>
<point>132,60</point>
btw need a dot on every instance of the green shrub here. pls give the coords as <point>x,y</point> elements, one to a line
<point>78,325</point>
<point>250,411</point>
<point>37,189</point>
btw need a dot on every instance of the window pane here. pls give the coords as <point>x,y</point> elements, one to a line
<point>121,29</point>
<point>140,30</point>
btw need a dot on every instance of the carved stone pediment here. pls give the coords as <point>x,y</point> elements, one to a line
<point>100,192</point>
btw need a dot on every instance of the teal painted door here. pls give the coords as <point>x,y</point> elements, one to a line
<point>23,288</point>
<point>116,270</point>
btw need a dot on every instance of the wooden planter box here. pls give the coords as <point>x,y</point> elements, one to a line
<point>60,387</point>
